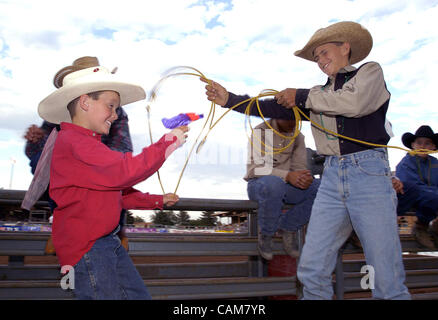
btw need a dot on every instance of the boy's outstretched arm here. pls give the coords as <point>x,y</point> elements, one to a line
<point>111,170</point>
<point>169,199</point>
<point>269,107</point>
<point>287,97</point>
<point>135,199</point>
<point>216,93</point>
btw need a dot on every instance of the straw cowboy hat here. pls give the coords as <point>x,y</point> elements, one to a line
<point>84,76</point>
<point>422,132</point>
<point>356,35</point>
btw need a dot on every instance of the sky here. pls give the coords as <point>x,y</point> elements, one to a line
<point>246,45</point>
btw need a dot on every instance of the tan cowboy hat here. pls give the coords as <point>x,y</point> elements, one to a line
<point>356,35</point>
<point>84,76</point>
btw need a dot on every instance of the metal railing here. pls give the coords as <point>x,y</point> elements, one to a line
<point>243,278</point>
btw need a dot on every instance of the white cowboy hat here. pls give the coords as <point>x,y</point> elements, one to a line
<point>82,81</point>
<point>356,35</point>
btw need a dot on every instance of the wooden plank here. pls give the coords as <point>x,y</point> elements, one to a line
<point>166,289</point>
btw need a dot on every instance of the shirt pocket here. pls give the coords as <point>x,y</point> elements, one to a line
<point>374,166</point>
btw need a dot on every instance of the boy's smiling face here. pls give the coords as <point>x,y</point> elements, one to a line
<point>102,112</point>
<point>331,57</point>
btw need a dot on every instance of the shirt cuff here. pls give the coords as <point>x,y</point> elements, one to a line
<point>301,97</point>
<point>230,101</point>
<point>157,201</point>
<point>280,173</point>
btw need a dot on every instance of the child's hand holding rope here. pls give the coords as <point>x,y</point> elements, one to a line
<point>286,97</point>
<point>169,199</point>
<point>215,92</point>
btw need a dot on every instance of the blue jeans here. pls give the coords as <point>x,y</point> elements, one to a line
<point>424,198</point>
<point>271,193</point>
<point>106,272</point>
<point>355,192</point>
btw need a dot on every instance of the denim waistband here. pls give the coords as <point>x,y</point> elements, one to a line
<point>357,156</point>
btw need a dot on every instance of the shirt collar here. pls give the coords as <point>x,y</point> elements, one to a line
<point>82,130</point>
<point>345,69</point>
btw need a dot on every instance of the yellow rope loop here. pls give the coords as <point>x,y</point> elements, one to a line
<point>179,71</point>
<point>411,152</point>
<point>421,151</point>
<point>273,149</point>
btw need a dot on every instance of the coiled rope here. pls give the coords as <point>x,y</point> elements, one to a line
<point>180,71</point>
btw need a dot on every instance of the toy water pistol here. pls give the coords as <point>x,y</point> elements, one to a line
<point>182,119</point>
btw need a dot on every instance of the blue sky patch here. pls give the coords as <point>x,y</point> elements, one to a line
<point>106,33</point>
<point>228,3</point>
<point>213,23</point>
<point>7,72</point>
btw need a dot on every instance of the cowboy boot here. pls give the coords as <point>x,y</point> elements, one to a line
<point>49,249</point>
<point>125,243</point>
<point>433,230</point>
<point>265,246</point>
<point>123,239</point>
<point>422,235</point>
<point>290,243</point>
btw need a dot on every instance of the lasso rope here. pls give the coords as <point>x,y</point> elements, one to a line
<point>179,71</point>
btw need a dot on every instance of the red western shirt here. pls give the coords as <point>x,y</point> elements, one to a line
<point>91,184</point>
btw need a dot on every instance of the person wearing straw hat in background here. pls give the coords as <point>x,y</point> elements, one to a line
<point>356,191</point>
<point>419,175</point>
<point>91,183</point>
<point>118,139</point>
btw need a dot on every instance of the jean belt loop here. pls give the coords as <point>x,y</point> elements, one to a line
<point>385,150</point>
<point>116,230</point>
<point>357,157</point>
<point>354,158</point>
<point>330,160</point>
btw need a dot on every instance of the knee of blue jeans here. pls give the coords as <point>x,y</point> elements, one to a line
<point>266,187</point>
<point>425,215</point>
<point>315,185</point>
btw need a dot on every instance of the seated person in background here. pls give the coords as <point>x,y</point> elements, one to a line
<point>275,178</point>
<point>36,138</point>
<point>419,175</point>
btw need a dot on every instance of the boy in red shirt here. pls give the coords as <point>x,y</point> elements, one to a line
<point>91,183</point>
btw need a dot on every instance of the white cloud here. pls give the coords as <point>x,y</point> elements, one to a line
<point>250,48</point>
